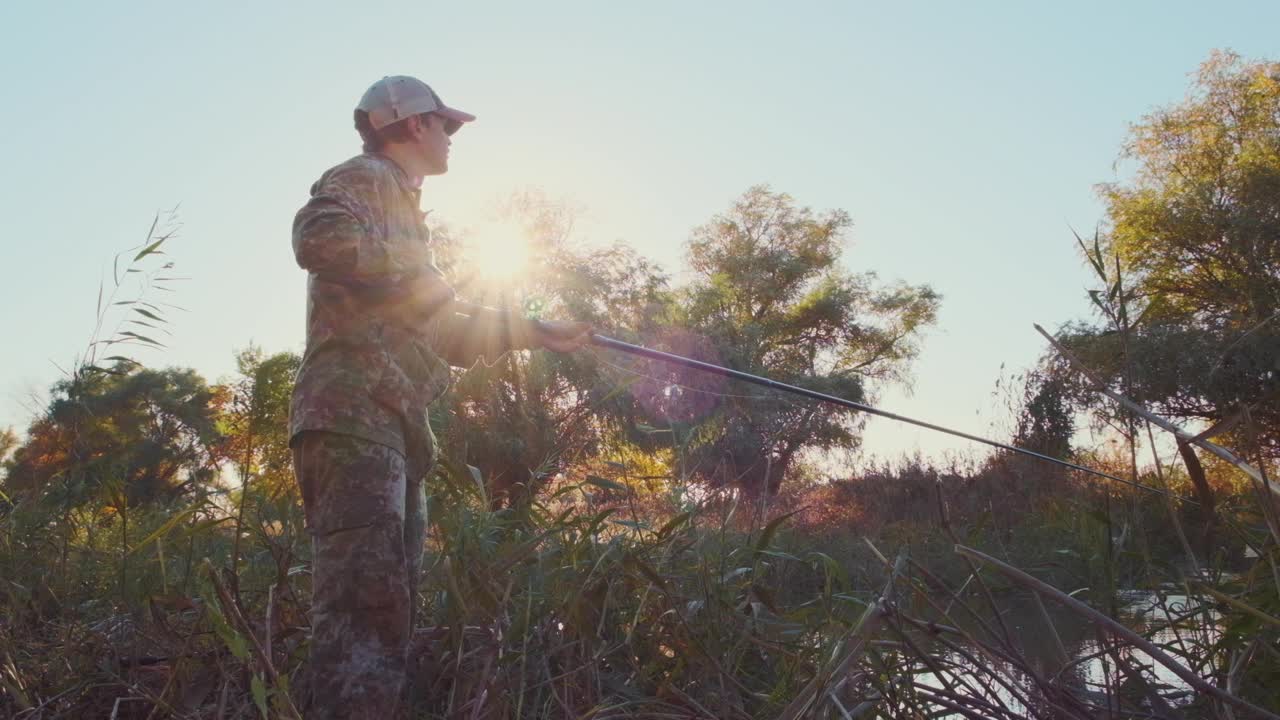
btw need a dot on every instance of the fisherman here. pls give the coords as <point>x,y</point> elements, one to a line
<point>383,327</point>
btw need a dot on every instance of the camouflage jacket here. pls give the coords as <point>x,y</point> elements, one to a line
<point>382,323</point>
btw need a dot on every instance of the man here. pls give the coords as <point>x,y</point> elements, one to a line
<point>383,327</point>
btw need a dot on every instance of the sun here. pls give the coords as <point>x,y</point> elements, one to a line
<point>499,252</point>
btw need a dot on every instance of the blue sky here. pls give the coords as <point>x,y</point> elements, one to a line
<point>964,139</point>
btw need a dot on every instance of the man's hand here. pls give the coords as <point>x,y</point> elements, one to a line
<point>562,336</point>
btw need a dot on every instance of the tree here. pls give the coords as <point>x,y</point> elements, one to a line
<point>519,419</point>
<point>770,298</point>
<point>1044,422</point>
<point>254,417</point>
<point>149,434</point>
<point>1199,225</point>
<point>8,442</point>
<point>1190,255</point>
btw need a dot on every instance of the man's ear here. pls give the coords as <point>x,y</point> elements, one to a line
<point>416,125</point>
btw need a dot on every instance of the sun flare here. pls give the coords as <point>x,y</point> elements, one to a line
<point>499,252</point>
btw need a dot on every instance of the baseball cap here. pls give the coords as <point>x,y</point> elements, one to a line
<point>396,97</point>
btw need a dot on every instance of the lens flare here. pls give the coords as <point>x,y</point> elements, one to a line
<point>498,252</point>
<point>677,393</point>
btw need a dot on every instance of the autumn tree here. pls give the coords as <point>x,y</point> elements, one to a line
<point>1191,256</point>
<point>254,417</point>
<point>149,433</point>
<point>8,442</point>
<point>1199,224</point>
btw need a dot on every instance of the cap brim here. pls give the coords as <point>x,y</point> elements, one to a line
<point>453,118</point>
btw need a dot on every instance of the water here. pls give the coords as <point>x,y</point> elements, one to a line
<point>1086,669</point>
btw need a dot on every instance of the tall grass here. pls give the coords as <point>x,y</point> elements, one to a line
<point>576,606</point>
<point>883,595</point>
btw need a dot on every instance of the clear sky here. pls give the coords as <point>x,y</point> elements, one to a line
<point>965,140</point>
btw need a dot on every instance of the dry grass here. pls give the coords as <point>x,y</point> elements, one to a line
<point>575,606</point>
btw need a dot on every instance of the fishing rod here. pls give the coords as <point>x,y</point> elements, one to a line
<point>641,351</point>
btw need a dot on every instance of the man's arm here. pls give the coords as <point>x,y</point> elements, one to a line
<point>471,332</point>
<point>335,236</point>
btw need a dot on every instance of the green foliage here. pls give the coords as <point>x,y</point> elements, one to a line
<point>521,419</point>
<point>1187,371</point>
<point>8,443</point>
<point>1191,251</point>
<point>770,298</point>
<point>152,433</point>
<point>1198,224</point>
<point>254,413</point>
<point>1045,421</point>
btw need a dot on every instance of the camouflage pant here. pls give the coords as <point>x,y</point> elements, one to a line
<point>366,512</point>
